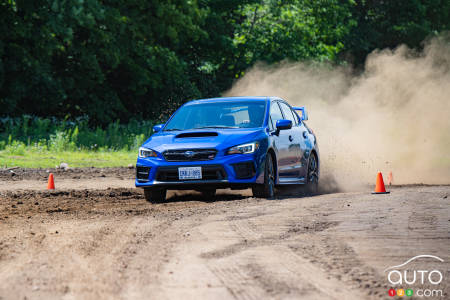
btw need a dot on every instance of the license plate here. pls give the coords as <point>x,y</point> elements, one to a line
<point>190,173</point>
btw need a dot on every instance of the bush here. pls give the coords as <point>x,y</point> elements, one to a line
<point>60,141</point>
<point>44,134</point>
<point>15,148</point>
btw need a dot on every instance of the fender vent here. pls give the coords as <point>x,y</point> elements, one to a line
<point>195,134</point>
<point>244,170</point>
<point>142,173</point>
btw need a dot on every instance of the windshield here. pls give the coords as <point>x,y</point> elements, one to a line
<point>218,115</point>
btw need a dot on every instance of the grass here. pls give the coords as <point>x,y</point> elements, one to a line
<point>34,142</point>
<point>84,158</point>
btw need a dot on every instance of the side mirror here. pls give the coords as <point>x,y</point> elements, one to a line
<point>284,124</point>
<point>157,128</point>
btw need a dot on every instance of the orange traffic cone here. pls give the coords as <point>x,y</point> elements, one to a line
<point>379,188</point>
<point>390,178</point>
<point>51,182</point>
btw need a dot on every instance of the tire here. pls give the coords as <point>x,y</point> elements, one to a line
<point>155,195</point>
<point>312,179</point>
<point>208,194</point>
<point>267,189</point>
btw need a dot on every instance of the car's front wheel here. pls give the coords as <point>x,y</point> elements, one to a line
<point>267,189</point>
<point>155,195</point>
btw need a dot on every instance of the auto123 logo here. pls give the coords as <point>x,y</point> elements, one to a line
<point>411,278</point>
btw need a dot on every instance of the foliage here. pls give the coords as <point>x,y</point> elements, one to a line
<point>387,24</point>
<point>295,30</point>
<point>139,60</point>
<point>105,59</point>
<point>43,134</point>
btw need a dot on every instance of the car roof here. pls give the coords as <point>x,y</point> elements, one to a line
<point>237,99</point>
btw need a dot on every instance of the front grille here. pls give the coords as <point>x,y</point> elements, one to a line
<point>244,170</point>
<point>142,173</point>
<point>210,172</point>
<point>190,154</point>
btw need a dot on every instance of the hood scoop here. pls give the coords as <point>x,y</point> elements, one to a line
<point>196,134</point>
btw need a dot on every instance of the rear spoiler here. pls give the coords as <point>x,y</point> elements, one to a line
<point>304,115</point>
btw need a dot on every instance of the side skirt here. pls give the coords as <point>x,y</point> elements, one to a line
<point>295,180</point>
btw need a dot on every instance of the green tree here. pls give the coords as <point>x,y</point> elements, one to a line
<point>105,59</point>
<point>387,24</point>
<point>296,29</point>
<point>141,59</point>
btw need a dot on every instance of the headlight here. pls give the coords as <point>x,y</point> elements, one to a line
<point>144,152</point>
<point>244,148</point>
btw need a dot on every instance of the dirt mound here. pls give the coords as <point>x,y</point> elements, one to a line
<point>25,204</point>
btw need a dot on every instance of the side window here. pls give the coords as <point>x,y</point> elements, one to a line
<point>295,117</point>
<point>275,114</point>
<point>288,113</point>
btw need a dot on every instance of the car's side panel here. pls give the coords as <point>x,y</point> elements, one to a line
<point>281,141</point>
<point>292,172</point>
<point>286,155</point>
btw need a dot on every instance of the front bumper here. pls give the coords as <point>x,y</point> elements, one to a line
<point>234,171</point>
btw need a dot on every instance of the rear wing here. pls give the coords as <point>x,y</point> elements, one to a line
<point>304,115</point>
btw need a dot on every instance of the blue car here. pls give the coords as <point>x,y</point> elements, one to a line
<point>236,142</point>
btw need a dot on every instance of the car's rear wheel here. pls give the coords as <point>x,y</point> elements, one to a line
<point>155,195</point>
<point>267,189</point>
<point>208,193</point>
<point>312,180</point>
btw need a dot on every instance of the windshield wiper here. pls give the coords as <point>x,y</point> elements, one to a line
<point>217,126</point>
<point>173,129</point>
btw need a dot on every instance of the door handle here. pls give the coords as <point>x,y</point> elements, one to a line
<point>291,138</point>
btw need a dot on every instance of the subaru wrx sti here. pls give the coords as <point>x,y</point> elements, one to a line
<point>236,142</point>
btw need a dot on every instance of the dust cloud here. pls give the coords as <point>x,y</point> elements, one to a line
<point>394,117</point>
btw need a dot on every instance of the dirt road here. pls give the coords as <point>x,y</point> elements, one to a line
<point>111,244</point>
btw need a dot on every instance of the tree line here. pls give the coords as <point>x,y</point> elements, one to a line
<point>111,60</point>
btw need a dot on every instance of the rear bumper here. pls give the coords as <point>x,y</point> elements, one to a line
<point>222,172</point>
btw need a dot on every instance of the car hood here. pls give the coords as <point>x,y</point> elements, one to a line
<point>204,139</point>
